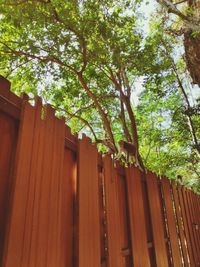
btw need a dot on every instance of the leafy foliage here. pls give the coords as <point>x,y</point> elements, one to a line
<point>85,58</point>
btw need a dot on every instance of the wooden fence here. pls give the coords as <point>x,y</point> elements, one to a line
<point>64,205</point>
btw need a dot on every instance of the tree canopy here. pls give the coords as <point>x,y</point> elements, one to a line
<point>86,58</point>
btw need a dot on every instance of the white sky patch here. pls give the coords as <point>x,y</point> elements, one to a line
<point>147,8</point>
<point>138,89</point>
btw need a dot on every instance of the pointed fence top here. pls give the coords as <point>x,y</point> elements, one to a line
<point>4,83</point>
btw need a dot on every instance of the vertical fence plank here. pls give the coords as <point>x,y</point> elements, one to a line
<point>55,201</point>
<point>193,223</point>
<point>112,215</point>
<point>68,213</point>
<point>190,226</point>
<point>13,254</point>
<point>148,222</point>
<point>124,219</point>
<point>5,87</point>
<point>34,238</point>
<point>88,202</point>
<point>171,222</point>
<point>41,227</point>
<point>36,160</point>
<point>140,252</point>
<point>196,215</point>
<point>8,137</point>
<point>186,227</point>
<point>180,225</point>
<point>36,188</point>
<point>157,222</point>
<point>103,221</point>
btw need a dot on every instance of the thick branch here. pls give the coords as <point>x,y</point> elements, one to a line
<point>124,125</point>
<point>190,22</point>
<point>84,54</point>
<point>100,109</point>
<point>126,81</point>
<point>171,8</point>
<point>126,101</point>
<point>180,2</point>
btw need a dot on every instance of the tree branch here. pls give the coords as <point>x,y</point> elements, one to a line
<point>180,2</point>
<point>123,121</point>
<point>100,109</point>
<point>81,109</point>
<point>79,36</point>
<point>189,21</point>
<point>45,60</point>
<point>73,115</point>
<point>84,54</point>
<point>183,92</point>
<point>171,8</point>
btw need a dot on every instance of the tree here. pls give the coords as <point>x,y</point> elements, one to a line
<point>84,57</point>
<point>169,117</point>
<point>78,43</point>
<point>186,23</point>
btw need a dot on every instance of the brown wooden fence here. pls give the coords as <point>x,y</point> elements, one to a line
<point>64,205</point>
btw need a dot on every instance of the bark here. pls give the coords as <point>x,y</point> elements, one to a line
<point>189,118</point>
<point>124,125</point>
<point>101,111</point>
<point>134,133</point>
<point>126,100</point>
<point>188,107</point>
<point>190,22</point>
<point>192,55</point>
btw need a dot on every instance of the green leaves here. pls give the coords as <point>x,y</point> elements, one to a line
<point>45,46</point>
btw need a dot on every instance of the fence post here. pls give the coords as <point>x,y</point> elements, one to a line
<point>157,220</point>
<point>89,251</point>
<point>112,214</point>
<point>139,240</point>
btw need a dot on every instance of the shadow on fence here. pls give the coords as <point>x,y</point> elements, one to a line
<point>63,204</point>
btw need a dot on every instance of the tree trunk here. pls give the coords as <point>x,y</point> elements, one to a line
<point>124,125</point>
<point>134,133</point>
<point>101,111</point>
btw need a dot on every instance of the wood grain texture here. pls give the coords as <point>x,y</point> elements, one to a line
<point>157,221</point>
<point>8,138</point>
<point>194,223</point>
<point>180,225</point>
<point>186,226</point>
<point>196,215</point>
<point>112,215</point>
<point>190,226</point>
<point>140,252</point>
<point>171,222</point>
<point>68,212</point>
<point>88,203</point>
<point>125,233</point>
<point>45,222</point>
<point>35,228</point>
<point>15,241</point>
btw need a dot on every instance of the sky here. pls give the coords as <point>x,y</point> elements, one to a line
<point>147,8</point>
